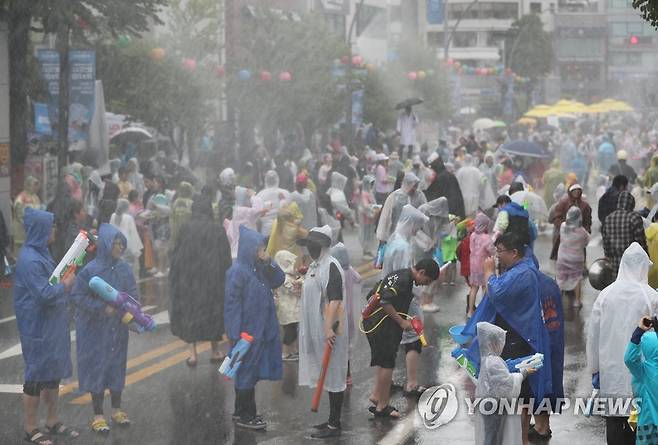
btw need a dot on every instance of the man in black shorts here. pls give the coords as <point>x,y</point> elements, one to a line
<point>384,328</point>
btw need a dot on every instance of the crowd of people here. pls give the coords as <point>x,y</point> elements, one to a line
<point>260,251</point>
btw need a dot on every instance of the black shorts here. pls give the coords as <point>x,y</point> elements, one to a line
<point>33,389</point>
<point>384,343</point>
<point>415,346</point>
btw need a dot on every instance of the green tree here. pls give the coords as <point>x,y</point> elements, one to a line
<point>306,49</point>
<point>530,48</point>
<point>649,10</point>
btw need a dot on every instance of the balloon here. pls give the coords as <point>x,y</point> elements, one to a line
<point>344,60</point>
<point>189,65</point>
<point>220,71</point>
<point>457,65</point>
<point>508,71</point>
<point>244,74</point>
<point>285,76</point>
<point>157,54</point>
<point>450,61</point>
<point>412,75</point>
<point>123,40</point>
<point>265,76</point>
<point>422,75</point>
<point>357,60</point>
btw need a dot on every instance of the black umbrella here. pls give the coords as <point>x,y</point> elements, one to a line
<point>525,148</point>
<point>409,103</point>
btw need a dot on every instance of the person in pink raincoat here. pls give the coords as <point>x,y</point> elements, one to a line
<point>481,248</point>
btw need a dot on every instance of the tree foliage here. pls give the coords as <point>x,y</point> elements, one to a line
<point>530,48</point>
<point>649,10</point>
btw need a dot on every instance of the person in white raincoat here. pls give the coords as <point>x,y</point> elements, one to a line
<point>615,314</point>
<point>246,210</point>
<point>306,202</point>
<point>272,198</point>
<point>398,255</point>
<point>438,226</point>
<point>407,194</point>
<point>123,221</point>
<point>496,382</point>
<point>338,199</point>
<point>470,180</point>
<point>323,304</point>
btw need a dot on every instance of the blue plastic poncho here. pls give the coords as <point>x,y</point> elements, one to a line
<point>551,301</point>
<point>102,340</point>
<point>249,307</point>
<point>41,309</point>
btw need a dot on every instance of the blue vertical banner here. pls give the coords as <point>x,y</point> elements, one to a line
<point>42,119</point>
<point>357,107</point>
<point>49,65</point>
<point>434,12</point>
<point>82,78</point>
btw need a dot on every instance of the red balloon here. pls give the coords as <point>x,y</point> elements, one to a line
<point>357,60</point>
<point>189,64</point>
<point>412,75</point>
<point>265,76</point>
<point>450,61</point>
<point>157,54</point>
<point>220,71</point>
<point>285,76</point>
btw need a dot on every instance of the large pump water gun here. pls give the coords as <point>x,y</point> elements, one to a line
<point>129,309</point>
<point>231,364</point>
<point>83,244</point>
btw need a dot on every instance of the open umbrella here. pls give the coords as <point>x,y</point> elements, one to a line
<point>409,103</point>
<point>525,148</point>
<point>533,203</point>
<point>131,134</point>
<point>483,124</point>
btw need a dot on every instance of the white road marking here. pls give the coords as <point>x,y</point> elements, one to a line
<point>162,317</point>
<point>5,320</point>
<point>11,389</point>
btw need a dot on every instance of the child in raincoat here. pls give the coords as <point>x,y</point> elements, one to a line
<point>497,382</point>
<point>480,248</point>
<point>102,339</point>
<point>449,252</point>
<point>367,213</point>
<point>288,303</point>
<point>641,358</point>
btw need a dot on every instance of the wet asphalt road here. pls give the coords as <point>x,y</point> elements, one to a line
<point>170,403</point>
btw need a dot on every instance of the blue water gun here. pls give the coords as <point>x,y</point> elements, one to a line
<point>231,364</point>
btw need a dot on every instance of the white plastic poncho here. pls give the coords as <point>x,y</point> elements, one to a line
<point>398,255</point>
<point>353,301</point>
<point>123,221</point>
<point>495,381</point>
<point>614,317</point>
<point>306,202</point>
<point>395,202</point>
<point>471,184</point>
<point>272,198</point>
<point>311,327</point>
<point>245,212</point>
<point>337,195</point>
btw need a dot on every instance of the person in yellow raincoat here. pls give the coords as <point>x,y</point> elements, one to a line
<point>286,230</point>
<point>651,233</point>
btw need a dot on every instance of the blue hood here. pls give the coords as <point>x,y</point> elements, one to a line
<point>38,224</point>
<point>248,245</point>
<point>514,209</point>
<point>106,235</point>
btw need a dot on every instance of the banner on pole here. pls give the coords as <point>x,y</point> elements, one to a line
<point>49,64</point>
<point>435,12</point>
<point>82,72</point>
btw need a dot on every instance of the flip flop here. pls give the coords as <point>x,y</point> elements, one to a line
<point>387,413</point>
<point>59,429</point>
<point>415,392</point>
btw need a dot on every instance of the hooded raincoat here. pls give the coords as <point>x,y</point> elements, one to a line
<point>395,202</point>
<point>614,315</point>
<point>312,339</point>
<point>249,307</point>
<point>337,196</point>
<point>445,184</point>
<point>471,183</point>
<point>642,360</point>
<point>102,340</point>
<point>353,302</point>
<point>571,253</point>
<point>481,247</point>
<point>26,198</point>
<point>245,213</point>
<point>496,382</point>
<point>181,210</point>
<point>272,198</point>
<point>41,309</point>
<point>308,205</point>
<point>286,230</point>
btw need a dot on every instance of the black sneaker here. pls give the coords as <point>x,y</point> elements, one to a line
<point>321,426</point>
<point>327,433</point>
<point>257,423</point>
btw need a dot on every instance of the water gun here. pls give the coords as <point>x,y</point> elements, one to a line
<point>534,361</point>
<point>231,364</point>
<point>75,257</point>
<point>129,308</point>
<point>372,305</point>
<point>459,354</point>
<point>379,260</point>
<point>417,324</point>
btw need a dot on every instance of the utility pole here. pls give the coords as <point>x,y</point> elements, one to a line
<point>348,75</point>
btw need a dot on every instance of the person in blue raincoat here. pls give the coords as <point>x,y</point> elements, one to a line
<point>249,307</point>
<point>43,326</point>
<point>102,339</point>
<point>513,303</point>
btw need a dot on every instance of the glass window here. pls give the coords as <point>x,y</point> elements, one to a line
<point>462,39</point>
<point>619,29</point>
<point>634,28</point>
<point>619,4</point>
<point>535,8</point>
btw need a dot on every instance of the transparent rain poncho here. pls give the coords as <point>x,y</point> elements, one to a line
<point>272,198</point>
<point>395,202</point>
<point>614,316</point>
<point>470,180</point>
<point>495,381</point>
<point>337,195</point>
<point>353,301</point>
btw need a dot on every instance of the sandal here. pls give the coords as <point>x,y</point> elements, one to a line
<point>388,413</point>
<point>415,392</point>
<point>100,426</point>
<point>37,437</point>
<point>120,418</point>
<point>190,363</point>
<point>59,429</point>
